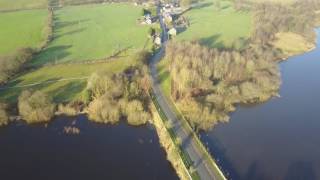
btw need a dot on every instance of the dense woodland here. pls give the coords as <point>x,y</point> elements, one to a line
<point>207,83</point>
<point>117,96</point>
<point>271,18</point>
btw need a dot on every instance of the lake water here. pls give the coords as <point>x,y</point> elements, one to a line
<point>99,152</point>
<point>279,139</point>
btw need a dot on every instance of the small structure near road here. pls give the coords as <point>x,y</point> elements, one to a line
<point>172,32</point>
<point>157,40</point>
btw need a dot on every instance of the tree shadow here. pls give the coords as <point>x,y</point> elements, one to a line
<point>186,141</point>
<point>51,55</point>
<point>63,24</point>
<point>11,94</point>
<point>216,148</point>
<point>68,33</point>
<point>68,92</point>
<point>212,41</point>
<point>300,171</point>
<point>196,7</point>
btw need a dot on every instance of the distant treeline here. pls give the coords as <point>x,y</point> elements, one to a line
<point>271,18</point>
<point>207,83</point>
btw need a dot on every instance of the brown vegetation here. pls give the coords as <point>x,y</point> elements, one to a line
<point>4,119</point>
<point>70,109</point>
<point>35,107</point>
<point>117,96</point>
<point>9,65</point>
<point>207,83</point>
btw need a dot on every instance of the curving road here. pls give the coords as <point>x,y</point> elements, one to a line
<point>188,143</point>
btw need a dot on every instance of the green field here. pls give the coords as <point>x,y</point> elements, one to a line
<point>22,4</point>
<point>81,33</point>
<point>94,32</point>
<point>22,29</point>
<point>217,26</point>
<point>49,79</point>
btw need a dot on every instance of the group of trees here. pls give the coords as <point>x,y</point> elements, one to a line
<point>35,107</point>
<point>116,96</point>
<point>271,18</point>
<point>3,115</point>
<point>207,83</point>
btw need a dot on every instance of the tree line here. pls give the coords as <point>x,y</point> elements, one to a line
<point>207,83</point>
<point>14,62</point>
<point>271,18</point>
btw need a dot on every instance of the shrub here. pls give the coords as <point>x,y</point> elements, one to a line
<point>136,115</point>
<point>4,119</point>
<point>68,109</point>
<point>104,110</point>
<point>35,107</point>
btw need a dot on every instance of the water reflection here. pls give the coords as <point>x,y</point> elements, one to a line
<point>278,139</point>
<point>98,152</point>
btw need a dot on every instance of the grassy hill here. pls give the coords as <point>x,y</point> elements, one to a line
<point>91,32</point>
<point>22,29</point>
<point>217,26</point>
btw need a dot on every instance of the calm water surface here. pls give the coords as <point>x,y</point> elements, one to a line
<point>279,139</point>
<point>99,152</point>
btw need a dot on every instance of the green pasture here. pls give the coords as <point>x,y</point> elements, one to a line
<point>50,79</point>
<point>21,29</point>
<point>92,32</point>
<point>7,5</point>
<point>217,25</point>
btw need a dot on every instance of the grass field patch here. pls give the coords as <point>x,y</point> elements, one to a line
<point>51,79</point>
<point>22,29</point>
<point>6,5</point>
<point>217,27</point>
<point>291,43</point>
<point>92,32</point>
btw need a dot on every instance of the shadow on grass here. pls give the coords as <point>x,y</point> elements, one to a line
<point>68,92</point>
<point>10,95</point>
<point>58,24</point>
<point>69,33</point>
<point>51,55</point>
<point>212,41</point>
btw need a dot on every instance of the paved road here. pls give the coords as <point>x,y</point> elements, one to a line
<point>188,143</point>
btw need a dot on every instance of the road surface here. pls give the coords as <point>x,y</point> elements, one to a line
<point>188,143</point>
